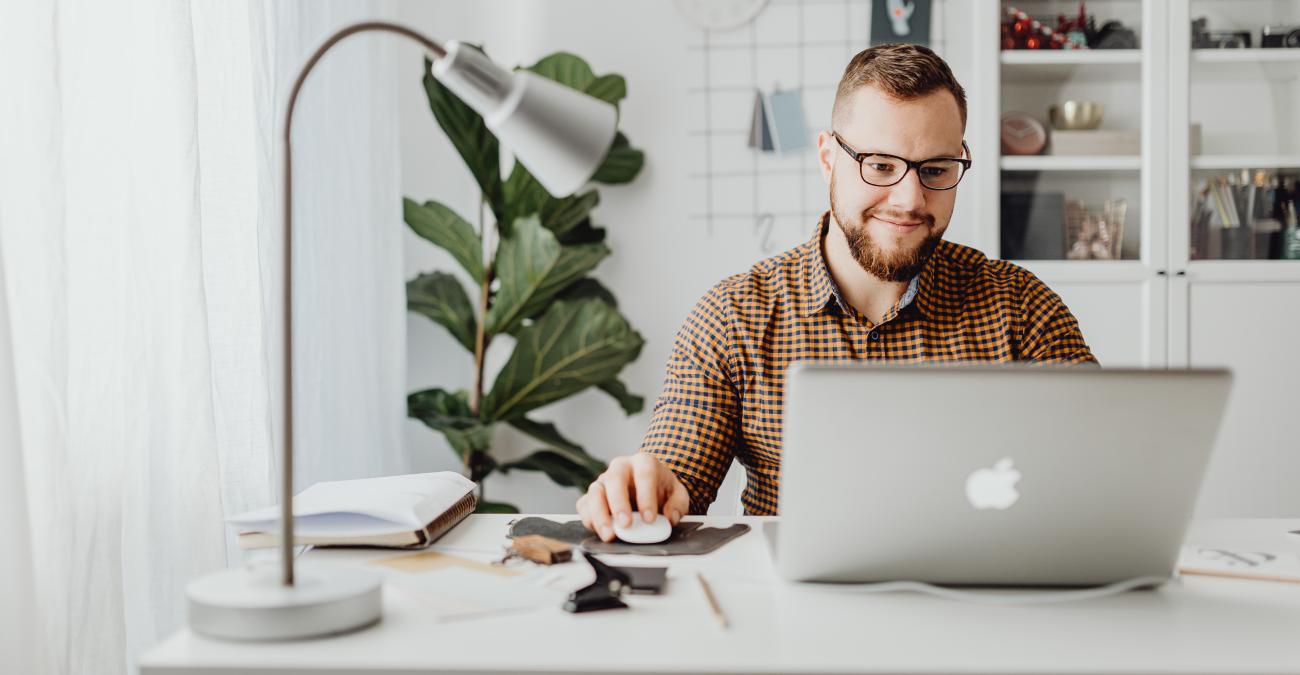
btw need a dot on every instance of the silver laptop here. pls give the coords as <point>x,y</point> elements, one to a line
<point>997,475</point>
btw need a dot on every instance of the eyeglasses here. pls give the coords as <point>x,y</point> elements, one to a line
<point>881,170</point>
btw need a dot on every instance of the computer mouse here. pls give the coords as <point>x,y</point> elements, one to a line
<point>641,532</point>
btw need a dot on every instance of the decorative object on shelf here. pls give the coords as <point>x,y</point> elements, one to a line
<point>1204,38</point>
<point>1021,31</point>
<point>1114,35</point>
<point>1022,134</point>
<point>905,21</point>
<point>563,328</point>
<point>1077,29</point>
<point>1096,142</point>
<point>1075,115</point>
<point>1244,216</point>
<point>1094,233</point>
<point>1290,232</point>
<point>1274,37</point>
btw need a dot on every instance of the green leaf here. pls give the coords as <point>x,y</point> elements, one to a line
<point>629,402</point>
<point>495,507</point>
<point>444,227</point>
<point>588,287</point>
<point>450,414</point>
<point>548,434</point>
<point>622,164</point>
<point>572,346</point>
<point>559,468</point>
<point>470,136</point>
<point>524,196</point>
<point>533,268</point>
<point>611,88</point>
<point>561,216</point>
<point>440,297</point>
<point>567,69</point>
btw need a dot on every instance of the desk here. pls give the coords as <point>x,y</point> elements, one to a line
<point>1194,625</point>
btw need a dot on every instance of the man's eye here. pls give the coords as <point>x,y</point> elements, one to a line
<point>881,167</point>
<point>934,171</point>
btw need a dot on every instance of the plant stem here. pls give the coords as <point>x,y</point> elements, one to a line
<point>480,333</point>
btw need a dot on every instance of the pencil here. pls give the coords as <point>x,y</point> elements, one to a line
<point>713,601</point>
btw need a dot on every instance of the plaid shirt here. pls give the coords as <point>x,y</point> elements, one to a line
<point>723,395</point>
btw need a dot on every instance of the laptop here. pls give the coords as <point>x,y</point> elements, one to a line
<point>990,475</point>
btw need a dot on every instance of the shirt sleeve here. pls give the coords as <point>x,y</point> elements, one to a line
<point>1050,333</point>
<point>696,419</point>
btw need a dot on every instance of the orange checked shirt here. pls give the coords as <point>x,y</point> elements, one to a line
<point>723,394</point>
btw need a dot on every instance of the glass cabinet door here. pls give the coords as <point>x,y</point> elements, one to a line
<point>1243,120</point>
<point>1072,126</point>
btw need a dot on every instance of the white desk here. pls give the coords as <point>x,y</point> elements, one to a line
<point>1195,625</point>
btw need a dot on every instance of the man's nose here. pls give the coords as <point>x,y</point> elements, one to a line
<point>908,194</point>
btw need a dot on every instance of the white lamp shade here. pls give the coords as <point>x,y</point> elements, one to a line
<point>559,134</point>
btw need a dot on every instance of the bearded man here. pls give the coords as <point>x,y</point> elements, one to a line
<point>876,281</point>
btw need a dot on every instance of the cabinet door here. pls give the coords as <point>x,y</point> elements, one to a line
<point>1122,318</point>
<point>1251,328</point>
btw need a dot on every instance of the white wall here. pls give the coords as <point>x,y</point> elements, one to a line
<point>662,260</point>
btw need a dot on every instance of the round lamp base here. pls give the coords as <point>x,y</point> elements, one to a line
<point>249,603</point>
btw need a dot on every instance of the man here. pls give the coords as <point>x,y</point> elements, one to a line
<point>875,282</point>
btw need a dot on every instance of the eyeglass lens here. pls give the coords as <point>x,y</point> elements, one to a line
<point>936,174</point>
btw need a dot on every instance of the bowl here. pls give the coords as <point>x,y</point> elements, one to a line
<point>1074,115</point>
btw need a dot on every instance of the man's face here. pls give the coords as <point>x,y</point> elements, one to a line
<point>892,230</point>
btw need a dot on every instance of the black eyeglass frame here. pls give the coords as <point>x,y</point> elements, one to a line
<point>859,156</point>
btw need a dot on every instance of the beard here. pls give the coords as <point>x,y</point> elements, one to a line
<point>900,264</point>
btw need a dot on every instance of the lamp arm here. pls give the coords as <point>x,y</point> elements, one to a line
<point>286,453</point>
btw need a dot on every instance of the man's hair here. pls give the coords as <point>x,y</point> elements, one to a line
<point>903,72</point>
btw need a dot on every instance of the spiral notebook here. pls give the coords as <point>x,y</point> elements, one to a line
<point>409,511</point>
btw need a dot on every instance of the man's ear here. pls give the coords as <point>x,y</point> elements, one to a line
<point>826,147</point>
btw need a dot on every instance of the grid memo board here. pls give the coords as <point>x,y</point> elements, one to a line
<point>771,199</point>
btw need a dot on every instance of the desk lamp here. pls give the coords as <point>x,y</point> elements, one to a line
<point>562,136</point>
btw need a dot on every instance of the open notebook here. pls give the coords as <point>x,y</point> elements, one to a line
<point>410,511</point>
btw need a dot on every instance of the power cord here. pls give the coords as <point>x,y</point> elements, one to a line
<point>1032,598</point>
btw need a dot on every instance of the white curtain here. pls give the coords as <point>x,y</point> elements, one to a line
<point>139,257</point>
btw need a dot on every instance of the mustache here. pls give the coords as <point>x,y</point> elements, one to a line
<point>899,216</point>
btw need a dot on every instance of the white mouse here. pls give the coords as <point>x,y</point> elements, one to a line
<point>641,532</point>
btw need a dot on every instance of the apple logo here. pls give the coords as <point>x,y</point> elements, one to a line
<point>993,488</point>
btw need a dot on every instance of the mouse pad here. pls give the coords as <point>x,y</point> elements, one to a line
<point>686,539</point>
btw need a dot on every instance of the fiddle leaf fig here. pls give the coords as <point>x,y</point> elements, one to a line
<point>567,329</point>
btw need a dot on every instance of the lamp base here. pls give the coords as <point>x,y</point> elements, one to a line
<point>249,603</point>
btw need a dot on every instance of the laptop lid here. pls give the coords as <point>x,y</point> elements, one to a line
<point>988,474</point>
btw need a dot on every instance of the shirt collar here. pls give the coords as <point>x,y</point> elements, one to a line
<point>820,289</point>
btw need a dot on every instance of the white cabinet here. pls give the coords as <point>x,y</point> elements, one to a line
<point>1192,288</point>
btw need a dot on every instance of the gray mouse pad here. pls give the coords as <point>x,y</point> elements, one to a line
<point>686,539</point>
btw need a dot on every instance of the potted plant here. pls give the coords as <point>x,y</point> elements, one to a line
<point>567,332</point>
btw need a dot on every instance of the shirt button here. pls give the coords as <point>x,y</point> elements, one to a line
<point>874,335</point>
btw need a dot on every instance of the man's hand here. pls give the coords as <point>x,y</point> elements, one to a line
<point>638,481</point>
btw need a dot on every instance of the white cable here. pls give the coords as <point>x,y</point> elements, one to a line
<point>977,597</point>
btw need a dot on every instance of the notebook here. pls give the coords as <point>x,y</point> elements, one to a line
<point>1240,564</point>
<point>409,511</point>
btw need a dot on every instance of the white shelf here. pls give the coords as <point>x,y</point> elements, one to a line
<point>1071,163</point>
<point>1256,55</point>
<point>1069,57</point>
<point>1246,162</point>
